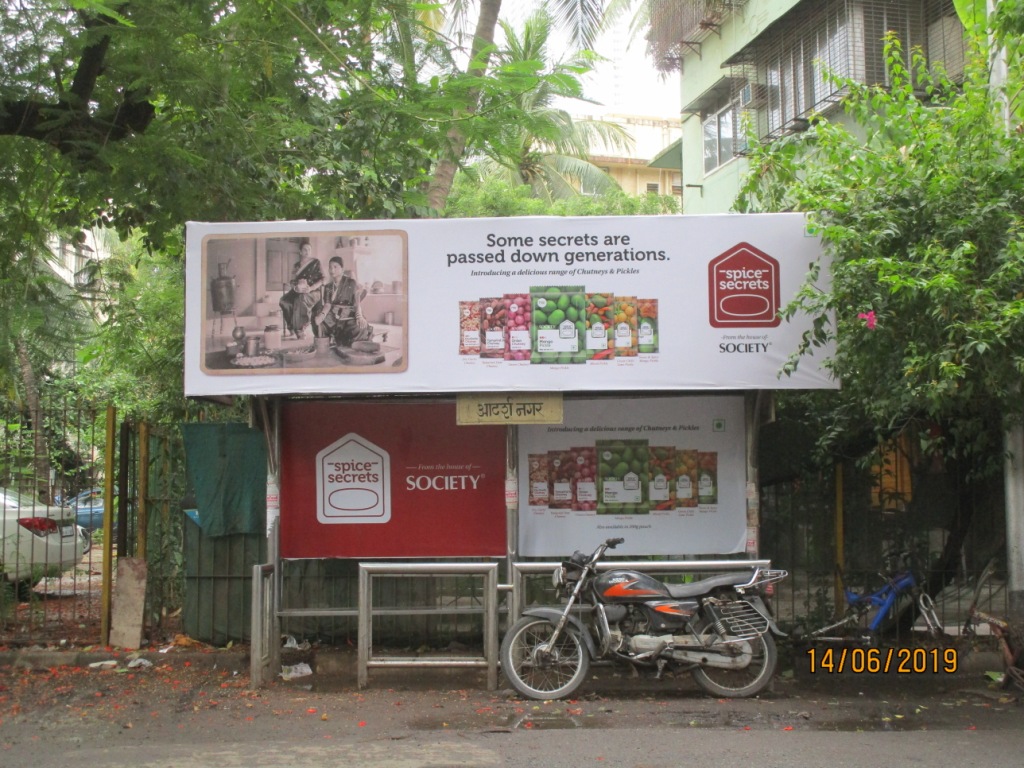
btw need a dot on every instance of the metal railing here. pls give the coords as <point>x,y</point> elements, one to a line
<point>366,658</point>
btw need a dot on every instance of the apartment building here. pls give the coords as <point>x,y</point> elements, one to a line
<point>631,168</point>
<point>764,63</point>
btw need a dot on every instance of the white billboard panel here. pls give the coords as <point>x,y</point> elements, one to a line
<point>665,473</point>
<point>514,304</point>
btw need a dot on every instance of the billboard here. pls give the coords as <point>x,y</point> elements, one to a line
<point>482,305</point>
<point>375,480</point>
<point>667,474</point>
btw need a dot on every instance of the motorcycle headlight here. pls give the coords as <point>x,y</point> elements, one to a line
<point>558,577</point>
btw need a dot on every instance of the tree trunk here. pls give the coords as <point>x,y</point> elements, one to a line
<point>40,450</point>
<point>444,172</point>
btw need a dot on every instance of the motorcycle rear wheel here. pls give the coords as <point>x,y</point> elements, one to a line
<point>739,683</point>
<point>539,675</point>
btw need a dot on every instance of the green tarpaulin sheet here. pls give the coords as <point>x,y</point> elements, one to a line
<point>227,466</point>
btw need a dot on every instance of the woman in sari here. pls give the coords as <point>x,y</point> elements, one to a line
<point>306,284</point>
<point>338,315</point>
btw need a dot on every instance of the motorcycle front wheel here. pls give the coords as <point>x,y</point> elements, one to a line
<point>747,681</point>
<point>537,672</point>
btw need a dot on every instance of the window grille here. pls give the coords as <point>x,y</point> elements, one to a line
<point>782,75</point>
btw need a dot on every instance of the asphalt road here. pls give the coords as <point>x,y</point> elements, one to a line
<point>197,710</point>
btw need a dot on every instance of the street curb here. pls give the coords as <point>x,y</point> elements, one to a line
<point>47,658</point>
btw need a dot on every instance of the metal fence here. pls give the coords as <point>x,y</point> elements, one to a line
<point>799,522</point>
<point>54,460</point>
<point>202,586</point>
<point>63,459</point>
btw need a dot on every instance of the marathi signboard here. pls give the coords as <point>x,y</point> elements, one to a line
<point>638,303</point>
<point>667,474</point>
<point>389,480</point>
<point>517,408</point>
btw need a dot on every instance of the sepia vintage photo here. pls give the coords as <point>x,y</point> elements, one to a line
<point>316,303</point>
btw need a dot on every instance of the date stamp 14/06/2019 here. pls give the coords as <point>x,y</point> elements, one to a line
<point>871,661</point>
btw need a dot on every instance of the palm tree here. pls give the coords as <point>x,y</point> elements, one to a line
<point>581,18</point>
<point>548,149</point>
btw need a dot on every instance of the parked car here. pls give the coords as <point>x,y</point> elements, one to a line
<point>88,507</point>
<point>86,537</point>
<point>36,540</point>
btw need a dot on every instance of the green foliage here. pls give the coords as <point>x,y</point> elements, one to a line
<point>142,116</point>
<point>251,111</point>
<point>971,12</point>
<point>135,358</point>
<point>544,146</point>
<point>497,197</point>
<point>923,221</point>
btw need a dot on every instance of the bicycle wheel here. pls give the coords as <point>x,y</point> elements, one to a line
<point>541,673</point>
<point>756,658</point>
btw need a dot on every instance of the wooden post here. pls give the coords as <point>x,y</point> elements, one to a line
<point>143,505</point>
<point>108,525</point>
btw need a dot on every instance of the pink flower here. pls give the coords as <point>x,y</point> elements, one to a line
<point>868,318</point>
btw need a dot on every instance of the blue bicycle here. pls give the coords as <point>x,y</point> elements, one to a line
<point>866,612</point>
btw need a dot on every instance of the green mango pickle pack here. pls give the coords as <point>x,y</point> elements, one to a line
<point>623,477</point>
<point>558,324</point>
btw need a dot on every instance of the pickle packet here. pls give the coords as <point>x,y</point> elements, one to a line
<point>557,325</point>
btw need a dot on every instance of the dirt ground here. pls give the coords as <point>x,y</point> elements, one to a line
<point>184,693</point>
<point>180,690</point>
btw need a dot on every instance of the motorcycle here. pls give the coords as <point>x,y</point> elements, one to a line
<point>719,629</point>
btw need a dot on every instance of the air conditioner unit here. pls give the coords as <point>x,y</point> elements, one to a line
<point>753,95</point>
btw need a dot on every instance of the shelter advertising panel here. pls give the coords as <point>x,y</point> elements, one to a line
<point>389,480</point>
<point>485,305</point>
<point>667,474</point>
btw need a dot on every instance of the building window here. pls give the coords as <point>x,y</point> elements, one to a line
<point>720,137</point>
<point>788,66</point>
<point>652,188</point>
<point>795,71</point>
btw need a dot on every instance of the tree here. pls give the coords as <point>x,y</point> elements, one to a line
<point>495,196</point>
<point>253,111</point>
<point>247,112</point>
<point>582,19</point>
<point>547,149</point>
<point>42,323</point>
<point>135,357</point>
<point>226,123</point>
<point>923,223</point>
<point>145,117</point>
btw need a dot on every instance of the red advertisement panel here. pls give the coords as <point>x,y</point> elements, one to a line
<point>372,480</point>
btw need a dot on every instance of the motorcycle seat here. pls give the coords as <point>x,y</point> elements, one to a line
<point>702,587</point>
